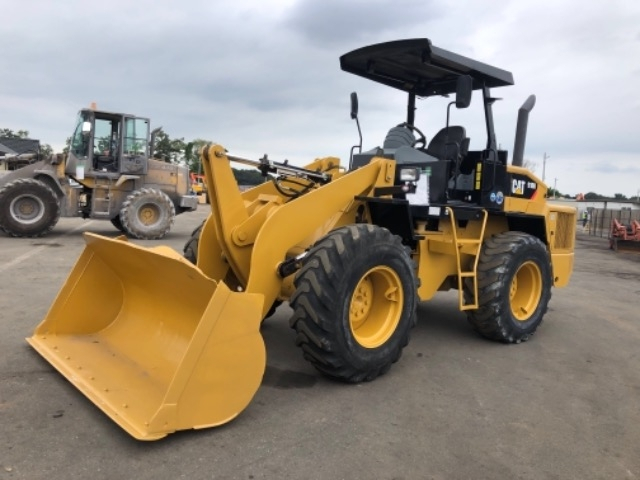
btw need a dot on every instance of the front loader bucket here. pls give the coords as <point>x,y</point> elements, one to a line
<point>152,341</point>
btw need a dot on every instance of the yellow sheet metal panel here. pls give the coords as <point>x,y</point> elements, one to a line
<point>523,205</point>
<point>433,270</point>
<point>541,188</point>
<point>436,252</point>
<point>562,267</point>
<point>152,341</point>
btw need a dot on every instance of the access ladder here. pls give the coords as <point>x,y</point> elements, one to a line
<point>475,244</point>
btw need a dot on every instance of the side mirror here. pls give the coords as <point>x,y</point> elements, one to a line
<point>354,116</point>
<point>86,128</point>
<point>354,105</point>
<point>464,88</point>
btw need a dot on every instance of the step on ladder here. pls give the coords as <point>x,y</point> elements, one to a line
<point>101,198</point>
<point>475,244</point>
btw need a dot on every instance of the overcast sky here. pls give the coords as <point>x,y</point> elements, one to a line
<point>262,76</point>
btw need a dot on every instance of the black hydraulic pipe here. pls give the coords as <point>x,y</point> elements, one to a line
<point>521,130</point>
<point>268,166</point>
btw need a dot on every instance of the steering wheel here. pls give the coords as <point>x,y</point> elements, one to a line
<point>421,140</point>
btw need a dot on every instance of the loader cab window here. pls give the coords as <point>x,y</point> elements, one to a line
<point>136,134</point>
<point>106,137</point>
<point>80,141</point>
<point>106,144</point>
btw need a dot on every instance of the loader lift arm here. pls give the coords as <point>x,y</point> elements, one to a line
<point>255,236</point>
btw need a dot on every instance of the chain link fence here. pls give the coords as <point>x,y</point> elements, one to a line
<point>599,223</point>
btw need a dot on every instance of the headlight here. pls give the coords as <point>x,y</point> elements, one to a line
<point>409,174</point>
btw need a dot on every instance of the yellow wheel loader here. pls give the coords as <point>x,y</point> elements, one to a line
<point>162,343</point>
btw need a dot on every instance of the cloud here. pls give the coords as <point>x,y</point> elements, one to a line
<point>619,170</point>
<point>358,22</point>
<point>263,75</point>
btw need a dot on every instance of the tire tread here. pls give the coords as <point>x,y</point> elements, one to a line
<point>33,183</point>
<point>317,292</point>
<point>492,319</point>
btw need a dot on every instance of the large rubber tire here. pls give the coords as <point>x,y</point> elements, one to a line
<point>28,208</point>
<point>116,222</point>
<point>355,302</point>
<point>147,214</point>
<point>514,287</point>
<point>190,249</point>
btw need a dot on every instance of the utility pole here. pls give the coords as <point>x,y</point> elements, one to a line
<point>544,164</point>
<point>555,191</point>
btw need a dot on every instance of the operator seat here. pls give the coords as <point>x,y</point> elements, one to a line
<point>397,137</point>
<point>397,145</point>
<point>400,143</point>
<point>450,143</point>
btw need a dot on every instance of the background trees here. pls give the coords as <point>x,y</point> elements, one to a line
<point>177,150</point>
<point>167,149</point>
<point>8,133</point>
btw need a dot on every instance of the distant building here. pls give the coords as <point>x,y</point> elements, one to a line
<point>16,146</point>
<point>589,205</point>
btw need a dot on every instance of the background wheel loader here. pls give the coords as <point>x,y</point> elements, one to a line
<point>168,345</point>
<point>107,174</point>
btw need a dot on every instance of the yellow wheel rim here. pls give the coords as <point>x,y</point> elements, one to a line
<point>526,289</point>
<point>149,214</point>
<point>376,307</point>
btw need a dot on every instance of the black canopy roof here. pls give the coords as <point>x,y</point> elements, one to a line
<point>417,67</point>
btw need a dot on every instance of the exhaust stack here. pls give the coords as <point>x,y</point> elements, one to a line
<point>521,130</point>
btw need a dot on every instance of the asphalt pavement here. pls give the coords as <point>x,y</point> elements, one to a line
<point>564,405</point>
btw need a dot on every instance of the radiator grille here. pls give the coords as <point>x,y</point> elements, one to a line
<point>565,230</point>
